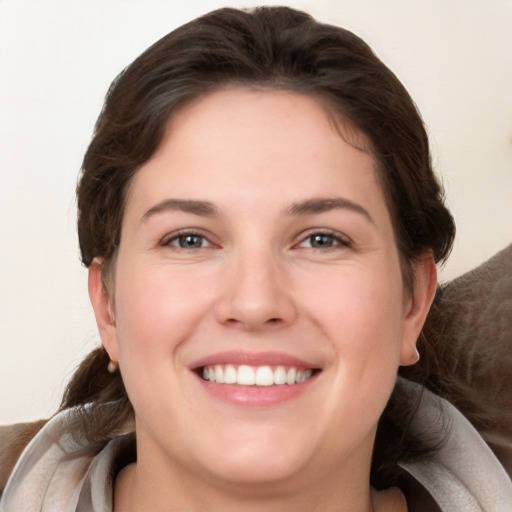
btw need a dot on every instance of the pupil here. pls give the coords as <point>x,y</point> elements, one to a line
<point>321,241</point>
<point>189,241</point>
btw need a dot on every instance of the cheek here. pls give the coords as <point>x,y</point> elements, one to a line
<point>360,310</point>
<point>360,315</point>
<point>156,310</point>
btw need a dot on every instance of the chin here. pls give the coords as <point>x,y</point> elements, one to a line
<point>270,459</point>
<point>257,471</point>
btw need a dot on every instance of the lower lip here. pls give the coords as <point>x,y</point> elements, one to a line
<point>256,396</point>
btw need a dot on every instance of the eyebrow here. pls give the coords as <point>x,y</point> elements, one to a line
<point>201,208</point>
<point>321,205</point>
<point>307,207</point>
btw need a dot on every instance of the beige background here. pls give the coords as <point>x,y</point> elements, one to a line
<point>57,59</point>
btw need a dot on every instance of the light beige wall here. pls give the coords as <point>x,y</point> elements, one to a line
<point>56,61</point>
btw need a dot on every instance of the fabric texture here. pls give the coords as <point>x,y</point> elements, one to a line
<point>464,475</point>
<point>56,473</point>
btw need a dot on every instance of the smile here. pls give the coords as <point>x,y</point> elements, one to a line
<point>245,375</point>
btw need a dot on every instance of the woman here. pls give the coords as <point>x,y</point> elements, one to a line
<point>261,224</point>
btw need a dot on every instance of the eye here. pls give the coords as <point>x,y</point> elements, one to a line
<point>187,241</point>
<point>323,240</point>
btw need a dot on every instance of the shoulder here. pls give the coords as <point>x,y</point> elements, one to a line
<point>48,462</point>
<point>13,440</point>
<point>470,325</point>
<point>463,474</point>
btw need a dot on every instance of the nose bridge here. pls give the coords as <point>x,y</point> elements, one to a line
<point>255,292</point>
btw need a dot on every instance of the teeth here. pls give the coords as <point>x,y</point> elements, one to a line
<point>230,374</point>
<point>219,374</point>
<point>264,376</point>
<point>246,375</point>
<point>279,376</point>
<point>303,375</point>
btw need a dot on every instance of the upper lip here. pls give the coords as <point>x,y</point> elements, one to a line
<point>237,357</point>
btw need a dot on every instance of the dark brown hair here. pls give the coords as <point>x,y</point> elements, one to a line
<point>274,48</point>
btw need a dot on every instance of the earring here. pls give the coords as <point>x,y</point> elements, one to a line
<point>417,354</point>
<point>112,367</point>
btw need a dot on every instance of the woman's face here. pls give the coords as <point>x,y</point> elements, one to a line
<point>257,249</point>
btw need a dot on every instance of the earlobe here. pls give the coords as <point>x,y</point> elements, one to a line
<point>425,281</point>
<point>103,310</point>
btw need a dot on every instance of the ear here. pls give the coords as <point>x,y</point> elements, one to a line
<point>417,307</point>
<point>102,303</point>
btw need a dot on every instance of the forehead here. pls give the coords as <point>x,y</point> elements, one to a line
<point>285,104</point>
<point>280,138</point>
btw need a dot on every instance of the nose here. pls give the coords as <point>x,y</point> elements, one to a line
<point>256,293</point>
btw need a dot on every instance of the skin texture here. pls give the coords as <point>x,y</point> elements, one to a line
<point>257,284</point>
